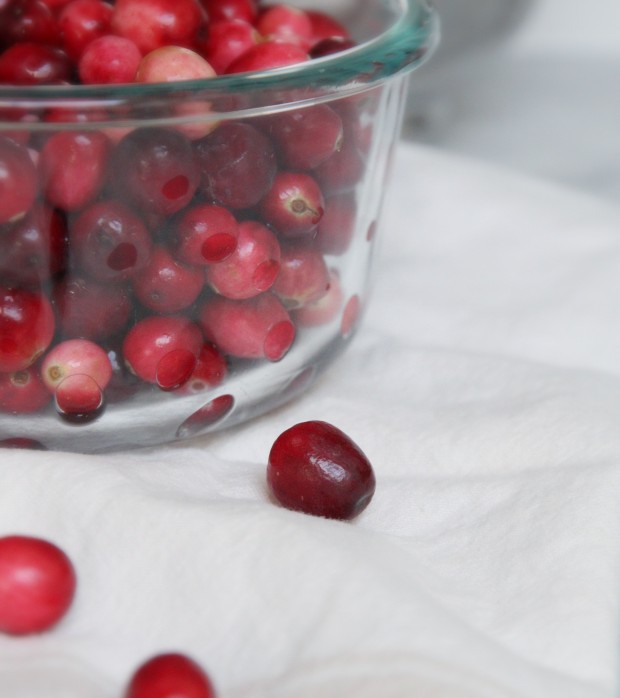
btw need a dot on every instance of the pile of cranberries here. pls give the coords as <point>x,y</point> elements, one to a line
<point>159,258</point>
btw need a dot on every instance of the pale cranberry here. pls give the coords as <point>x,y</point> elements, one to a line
<point>110,243</point>
<point>226,40</point>
<point>170,676</point>
<point>109,60</point>
<point>28,21</point>
<point>151,24</point>
<point>23,392</point>
<point>72,165</point>
<point>337,226</point>
<point>267,56</point>
<point>252,268</point>
<point>83,21</point>
<point>325,27</point>
<point>37,584</point>
<point>76,358</point>
<point>166,286</point>
<point>173,63</point>
<point>237,163</point>
<point>303,277</point>
<point>286,23</point>
<point>26,328</point>
<point>163,350</point>
<point>255,328</point>
<point>210,371</point>
<point>218,10</point>
<point>294,204</point>
<point>205,234</point>
<point>18,180</point>
<point>324,310</point>
<point>29,63</point>
<point>315,468</point>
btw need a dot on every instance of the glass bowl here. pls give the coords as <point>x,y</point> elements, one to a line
<point>177,258</point>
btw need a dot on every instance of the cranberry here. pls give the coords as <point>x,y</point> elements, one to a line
<point>72,166</point>
<point>170,676</point>
<point>163,350</point>
<point>33,249</point>
<point>109,60</point>
<point>286,23</point>
<point>325,309</point>
<point>252,268</point>
<point>151,24</point>
<point>18,180</point>
<point>91,310</point>
<point>337,226</point>
<point>26,328</point>
<point>37,584</point>
<point>211,370</point>
<point>165,286</point>
<point>325,27</point>
<point>317,469</point>
<point>218,10</point>
<point>268,55</point>
<point>213,412</point>
<point>28,63</point>
<point>294,205</point>
<point>303,278</point>
<point>327,47</point>
<point>157,169</point>
<point>205,234</point>
<point>237,163</point>
<point>255,328</point>
<point>28,21</point>
<point>173,63</point>
<point>83,21</point>
<point>305,138</point>
<point>22,392</point>
<point>343,170</point>
<point>76,358</point>
<point>226,41</point>
<point>109,242</point>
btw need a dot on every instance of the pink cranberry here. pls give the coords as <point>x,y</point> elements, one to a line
<point>109,242</point>
<point>26,328</point>
<point>83,21</point>
<point>170,676</point>
<point>237,163</point>
<point>18,180</point>
<point>109,60</point>
<point>303,277</point>
<point>72,166</point>
<point>81,359</point>
<point>252,268</point>
<point>211,370</point>
<point>324,310</point>
<point>304,138</point>
<point>325,27</point>
<point>286,23</point>
<point>156,169</point>
<point>165,286</point>
<point>29,63</point>
<point>294,205</point>
<point>337,227</point>
<point>267,56</point>
<point>219,10</point>
<point>163,350</point>
<point>23,392</point>
<point>151,24</point>
<point>205,234</point>
<point>226,40</point>
<point>255,328</point>
<point>173,63</point>
<point>37,585</point>
<point>317,469</point>
<point>28,21</point>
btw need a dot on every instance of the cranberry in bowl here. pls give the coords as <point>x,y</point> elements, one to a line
<point>190,194</point>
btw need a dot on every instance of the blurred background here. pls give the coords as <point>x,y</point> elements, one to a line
<point>530,84</point>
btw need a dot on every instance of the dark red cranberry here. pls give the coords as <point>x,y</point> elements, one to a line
<point>83,21</point>
<point>110,243</point>
<point>337,226</point>
<point>109,60</point>
<point>268,55</point>
<point>211,370</point>
<point>26,328</point>
<point>28,63</point>
<point>28,21</point>
<point>23,392</point>
<point>237,163</point>
<point>37,585</point>
<point>170,676</point>
<point>157,169</point>
<point>218,10</point>
<point>303,277</point>
<point>317,469</point>
<point>205,234</point>
<point>226,40</point>
<point>293,205</point>
<point>327,47</point>
<point>18,180</point>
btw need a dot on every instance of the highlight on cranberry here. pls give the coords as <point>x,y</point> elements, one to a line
<point>170,675</point>
<point>315,468</point>
<point>37,584</point>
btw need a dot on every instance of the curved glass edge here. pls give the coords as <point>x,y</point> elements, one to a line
<point>404,46</point>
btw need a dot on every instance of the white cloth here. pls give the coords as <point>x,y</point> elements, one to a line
<point>484,386</point>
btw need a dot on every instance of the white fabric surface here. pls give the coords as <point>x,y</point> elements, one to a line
<point>485,387</point>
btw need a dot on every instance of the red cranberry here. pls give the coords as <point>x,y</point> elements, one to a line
<point>157,169</point>
<point>18,180</point>
<point>286,23</point>
<point>226,41</point>
<point>237,163</point>
<point>33,250</point>
<point>325,309</point>
<point>342,170</point>
<point>26,328</point>
<point>28,63</point>
<point>294,205</point>
<point>173,63</point>
<point>109,242</point>
<point>249,329</point>
<point>305,138</point>
<point>22,392</point>
<point>218,10</point>
<point>109,60</point>
<point>317,469</point>
<point>165,286</point>
<point>268,55</point>
<point>205,234</point>
<point>28,21</point>
<point>163,350</point>
<point>327,47</point>
<point>211,370</point>
<point>337,226</point>
<point>325,27</point>
<point>303,277</point>
<point>37,584</point>
<point>170,676</point>
<point>72,166</point>
<point>83,21</point>
<point>252,268</point>
<point>151,24</point>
